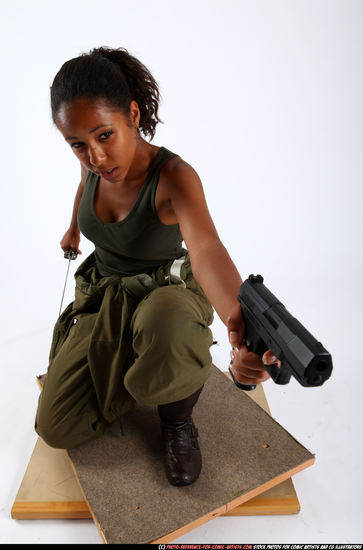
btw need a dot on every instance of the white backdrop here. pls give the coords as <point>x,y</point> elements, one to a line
<point>264,100</point>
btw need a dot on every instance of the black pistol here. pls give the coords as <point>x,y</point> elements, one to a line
<point>268,325</point>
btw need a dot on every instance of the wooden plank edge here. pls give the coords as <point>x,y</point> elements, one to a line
<point>50,510</point>
<point>230,505</point>
<point>86,501</point>
<point>80,510</point>
<point>266,507</point>
<point>38,380</point>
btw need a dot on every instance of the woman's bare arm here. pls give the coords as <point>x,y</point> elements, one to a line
<point>213,268</point>
<point>72,237</point>
<point>211,264</point>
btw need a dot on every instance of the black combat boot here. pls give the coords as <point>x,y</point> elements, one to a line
<point>182,456</point>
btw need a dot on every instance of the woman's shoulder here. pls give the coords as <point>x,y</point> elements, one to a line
<point>179,188</point>
<point>177,169</point>
<point>180,198</point>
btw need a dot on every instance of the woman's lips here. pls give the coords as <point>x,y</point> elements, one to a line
<point>108,175</point>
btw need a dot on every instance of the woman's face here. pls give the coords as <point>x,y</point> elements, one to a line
<point>104,140</point>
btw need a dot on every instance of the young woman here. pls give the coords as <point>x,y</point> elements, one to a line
<point>138,329</point>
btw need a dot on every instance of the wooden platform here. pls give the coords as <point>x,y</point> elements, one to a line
<point>50,490</point>
<point>119,478</point>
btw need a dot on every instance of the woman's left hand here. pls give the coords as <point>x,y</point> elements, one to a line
<point>246,366</point>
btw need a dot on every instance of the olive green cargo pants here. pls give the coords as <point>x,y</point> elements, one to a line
<point>160,354</point>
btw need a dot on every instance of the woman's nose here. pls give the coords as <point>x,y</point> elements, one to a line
<point>96,156</point>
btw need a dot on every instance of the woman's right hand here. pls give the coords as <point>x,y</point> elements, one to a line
<point>71,239</point>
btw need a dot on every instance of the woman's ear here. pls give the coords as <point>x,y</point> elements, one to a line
<point>134,114</point>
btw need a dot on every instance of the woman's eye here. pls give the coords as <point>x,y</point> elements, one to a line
<point>106,135</point>
<point>76,145</point>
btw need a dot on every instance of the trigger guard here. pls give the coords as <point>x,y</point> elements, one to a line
<point>280,375</point>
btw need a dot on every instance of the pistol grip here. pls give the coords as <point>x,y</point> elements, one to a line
<point>241,386</point>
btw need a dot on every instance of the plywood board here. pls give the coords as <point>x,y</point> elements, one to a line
<point>245,452</point>
<point>49,488</point>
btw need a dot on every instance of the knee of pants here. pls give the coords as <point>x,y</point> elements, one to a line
<point>171,344</point>
<point>69,432</point>
<point>170,319</point>
<point>49,433</point>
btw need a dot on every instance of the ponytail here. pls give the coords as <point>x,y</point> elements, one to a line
<point>111,75</point>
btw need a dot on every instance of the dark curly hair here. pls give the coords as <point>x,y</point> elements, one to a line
<point>114,76</point>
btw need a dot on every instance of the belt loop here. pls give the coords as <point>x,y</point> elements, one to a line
<point>175,270</point>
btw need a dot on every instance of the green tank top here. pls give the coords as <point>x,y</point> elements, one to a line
<point>139,242</point>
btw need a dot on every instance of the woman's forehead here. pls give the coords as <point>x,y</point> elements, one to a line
<point>86,115</point>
